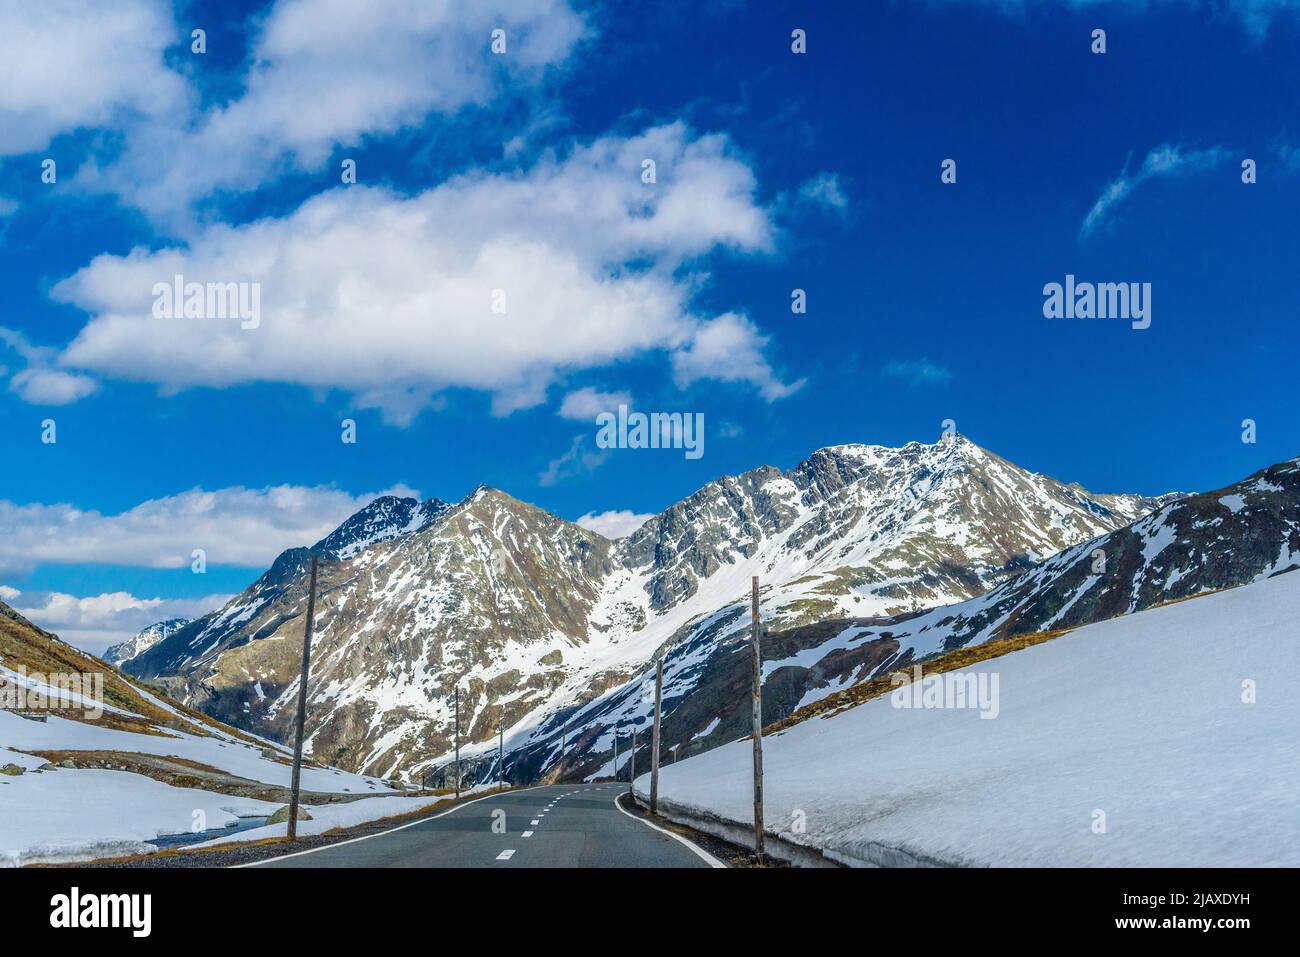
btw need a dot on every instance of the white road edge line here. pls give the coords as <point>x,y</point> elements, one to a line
<point>391,830</point>
<point>698,851</point>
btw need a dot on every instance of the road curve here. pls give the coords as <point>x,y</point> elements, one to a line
<point>566,825</point>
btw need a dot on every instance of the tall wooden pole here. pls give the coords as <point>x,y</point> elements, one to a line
<point>501,757</point>
<point>631,771</point>
<point>458,741</point>
<point>654,738</point>
<point>756,700</point>
<point>302,706</point>
<point>615,752</point>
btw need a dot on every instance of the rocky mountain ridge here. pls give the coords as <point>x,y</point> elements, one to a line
<point>534,617</point>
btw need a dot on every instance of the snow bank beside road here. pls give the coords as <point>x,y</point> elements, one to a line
<point>68,815</point>
<point>1137,724</point>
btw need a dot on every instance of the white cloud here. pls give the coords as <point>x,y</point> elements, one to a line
<point>327,73</point>
<point>390,297</point>
<point>234,526</point>
<point>94,623</point>
<point>76,63</point>
<point>730,349</point>
<point>583,405</point>
<point>38,383</point>
<point>918,372</point>
<point>614,524</point>
<point>1164,161</point>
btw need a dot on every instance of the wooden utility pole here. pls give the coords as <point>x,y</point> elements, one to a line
<point>458,741</point>
<point>302,706</point>
<point>501,757</point>
<point>615,752</point>
<point>756,700</point>
<point>654,738</point>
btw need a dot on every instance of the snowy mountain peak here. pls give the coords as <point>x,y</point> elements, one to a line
<point>142,642</point>
<point>385,518</point>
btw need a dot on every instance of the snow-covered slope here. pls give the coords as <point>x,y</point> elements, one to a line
<point>91,775</point>
<point>1165,738</point>
<point>1191,545</point>
<point>143,641</point>
<point>534,617</point>
<point>1197,544</point>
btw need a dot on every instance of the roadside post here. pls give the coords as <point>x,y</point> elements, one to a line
<point>302,705</point>
<point>756,700</point>
<point>654,737</point>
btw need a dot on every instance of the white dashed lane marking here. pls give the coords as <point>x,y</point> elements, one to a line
<point>534,822</point>
<point>505,855</point>
<point>526,834</point>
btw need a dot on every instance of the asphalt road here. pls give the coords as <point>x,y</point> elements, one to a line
<point>574,825</point>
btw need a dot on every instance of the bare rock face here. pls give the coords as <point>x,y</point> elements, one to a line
<point>544,625</point>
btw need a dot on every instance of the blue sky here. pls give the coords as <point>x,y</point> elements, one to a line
<point>522,171</point>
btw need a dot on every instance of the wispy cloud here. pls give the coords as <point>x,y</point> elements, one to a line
<point>1255,15</point>
<point>825,189</point>
<point>319,74</point>
<point>730,349</point>
<point>234,526</point>
<point>84,65</point>
<point>579,459</point>
<point>40,383</point>
<point>583,405</point>
<point>614,524</point>
<point>917,372</point>
<point>1162,162</point>
<point>95,622</point>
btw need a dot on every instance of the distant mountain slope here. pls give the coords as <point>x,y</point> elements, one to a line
<point>494,592</point>
<point>533,617</point>
<point>143,641</point>
<point>1197,544</point>
<point>895,528</point>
